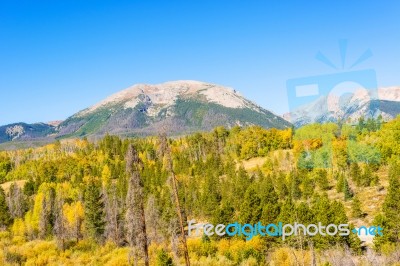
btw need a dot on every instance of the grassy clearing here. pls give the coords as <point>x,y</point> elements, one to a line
<point>6,185</point>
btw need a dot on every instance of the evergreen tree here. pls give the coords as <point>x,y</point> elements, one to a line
<point>266,191</point>
<point>361,124</point>
<point>389,219</point>
<point>367,176</point>
<point>348,194</point>
<point>250,209</point>
<point>241,180</point>
<point>327,212</point>
<point>340,183</point>
<point>5,167</point>
<point>286,214</point>
<point>322,179</point>
<point>163,259</point>
<point>295,191</point>
<point>355,173</point>
<point>375,180</point>
<point>29,187</point>
<point>5,216</point>
<point>308,186</point>
<point>281,186</point>
<point>223,214</point>
<point>94,211</point>
<point>303,213</point>
<point>210,196</point>
<point>356,208</point>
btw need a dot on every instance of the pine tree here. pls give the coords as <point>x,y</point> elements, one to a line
<point>389,219</point>
<point>210,196</point>
<point>269,200</point>
<point>163,258</point>
<point>250,209</point>
<point>295,191</point>
<point>355,173</point>
<point>375,180</point>
<point>322,179</point>
<point>308,186</point>
<point>240,181</point>
<point>367,176</point>
<point>281,186</point>
<point>29,187</point>
<point>348,194</point>
<point>94,211</point>
<point>356,208</point>
<point>223,214</point>
<point>5,216</point>
<point>340,183</point>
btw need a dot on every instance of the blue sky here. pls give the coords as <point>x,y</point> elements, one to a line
<point>58,57</point>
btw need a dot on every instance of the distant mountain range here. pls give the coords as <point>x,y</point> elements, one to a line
<point>183,107</point>
<point>348,107</point>
<point>176,108</point>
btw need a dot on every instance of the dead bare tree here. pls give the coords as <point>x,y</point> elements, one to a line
<point>153,220</point>
<point>174,185</point>
<point>135,216</point>
<point>16,201</point>
<point>60,228</point>
<point>114,219</point>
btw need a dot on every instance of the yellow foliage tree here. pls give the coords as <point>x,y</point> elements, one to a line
<point>74,214</point>
<point>106,176</point>
<point>18,228</point>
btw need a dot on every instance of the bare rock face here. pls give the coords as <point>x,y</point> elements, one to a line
<point>156,97</point>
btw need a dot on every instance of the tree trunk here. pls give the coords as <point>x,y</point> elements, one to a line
<point>179,211</point>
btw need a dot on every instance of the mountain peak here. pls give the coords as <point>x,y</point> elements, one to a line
<point>177,107</point>
<point>165,94</point>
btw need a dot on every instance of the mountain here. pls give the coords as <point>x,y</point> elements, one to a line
<point>176,108</point>
<point>26,132</point>
<point>348,107</point>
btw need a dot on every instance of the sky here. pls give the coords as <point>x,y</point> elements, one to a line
<point>59,57</point>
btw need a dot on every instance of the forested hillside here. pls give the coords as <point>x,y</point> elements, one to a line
<point>127,201</point>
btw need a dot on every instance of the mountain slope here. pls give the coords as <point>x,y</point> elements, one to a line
<point>25,132</point>
<point>178,107</point>
<point>348,107</point>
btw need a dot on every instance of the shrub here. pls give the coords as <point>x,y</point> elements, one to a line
<point>163,258</point>
<point>14,258</point>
